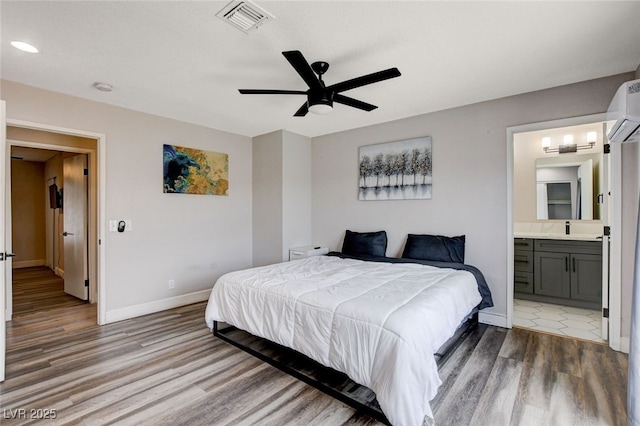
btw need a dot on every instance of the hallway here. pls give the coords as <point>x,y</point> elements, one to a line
<point>38,289</point>
<point>41,307</point>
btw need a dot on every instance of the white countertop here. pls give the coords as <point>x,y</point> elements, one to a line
<point>556,236</point>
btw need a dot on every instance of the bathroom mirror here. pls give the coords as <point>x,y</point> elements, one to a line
<point>567,188</point>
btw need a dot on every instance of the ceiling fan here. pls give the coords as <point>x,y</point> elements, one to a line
<point>320,98</point>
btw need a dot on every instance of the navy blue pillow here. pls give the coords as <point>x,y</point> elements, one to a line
<point>436,248</point>
<point>365,243</point>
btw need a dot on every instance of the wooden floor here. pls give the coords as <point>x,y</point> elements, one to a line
<point>167,368</point>
<point>38,289</point>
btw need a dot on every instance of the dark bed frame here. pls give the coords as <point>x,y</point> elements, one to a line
<point>335,384</point>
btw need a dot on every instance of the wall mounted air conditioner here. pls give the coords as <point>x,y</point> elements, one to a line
<point>625,109</point>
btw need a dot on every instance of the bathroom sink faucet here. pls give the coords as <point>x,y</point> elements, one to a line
<point>567,227</point>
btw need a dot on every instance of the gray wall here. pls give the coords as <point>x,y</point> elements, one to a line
<point>281,195</point>
<point>296,192</point>
<point>192,239</point>
<point>469,175</point>
<point>267,198</point>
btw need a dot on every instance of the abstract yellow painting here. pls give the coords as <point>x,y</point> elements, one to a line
<point>194,171</point>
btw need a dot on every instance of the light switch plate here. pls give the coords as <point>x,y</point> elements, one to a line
<point>113,225</point>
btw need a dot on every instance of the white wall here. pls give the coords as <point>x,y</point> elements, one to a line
<point>469,176</point>
<point>630,190</point>
<point>630,211</point>
<point>192,239</point>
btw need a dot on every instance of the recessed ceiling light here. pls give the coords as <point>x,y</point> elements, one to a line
<point>25,47</point>
<point>103,87</point>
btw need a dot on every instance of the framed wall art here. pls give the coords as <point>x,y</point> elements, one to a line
<point>398,170</point>
<point>194,171</point>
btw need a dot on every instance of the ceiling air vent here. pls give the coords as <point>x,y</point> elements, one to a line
<point>244,15</point>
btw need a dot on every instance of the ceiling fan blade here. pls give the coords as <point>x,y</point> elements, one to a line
<point>270,92</point>
<point>365,79</point>
<point>300,64</point>
<point>304,109</point>
<point>345,100</point>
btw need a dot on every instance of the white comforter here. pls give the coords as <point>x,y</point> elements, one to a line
<point>380,323</point>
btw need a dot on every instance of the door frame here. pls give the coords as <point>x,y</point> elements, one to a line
<point>4,150</point>
<point>615,221</point>
<point>97,258</point>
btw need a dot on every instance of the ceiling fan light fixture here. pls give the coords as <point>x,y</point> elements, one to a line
<point>321,108</point>
<point>320,102</point>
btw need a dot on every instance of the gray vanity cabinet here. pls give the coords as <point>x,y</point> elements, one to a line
<point>553,277</point>
<point>568,272</point>
<point>586,281</point>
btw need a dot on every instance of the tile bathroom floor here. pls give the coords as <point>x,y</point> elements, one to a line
<point>557,319</point>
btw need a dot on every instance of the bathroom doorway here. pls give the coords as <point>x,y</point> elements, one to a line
<point>560,219</point>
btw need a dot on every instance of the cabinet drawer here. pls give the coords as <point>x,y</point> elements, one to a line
<point>523,261</point>
<point>569,246</point>
<point>523,244</point>
<point>523,282</point>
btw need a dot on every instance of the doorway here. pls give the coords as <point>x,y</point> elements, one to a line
<point>67,142</point>
<point>49,222</point>
<point>563,270</point>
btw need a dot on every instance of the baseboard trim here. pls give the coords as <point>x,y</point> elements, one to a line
<point>28,263</point>
<point>134,311</point>
<point>59,272</point>
<point>493,319</point>
<point>625,344</point>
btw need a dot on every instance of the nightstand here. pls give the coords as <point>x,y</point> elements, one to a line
<point>307,251</point>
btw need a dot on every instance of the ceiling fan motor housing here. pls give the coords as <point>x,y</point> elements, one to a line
<point>320,97</point>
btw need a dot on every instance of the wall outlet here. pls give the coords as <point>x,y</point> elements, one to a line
<point>172,284</point>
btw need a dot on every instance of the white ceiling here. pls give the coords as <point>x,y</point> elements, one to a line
<point>176,59</point>
<point>32,154</point>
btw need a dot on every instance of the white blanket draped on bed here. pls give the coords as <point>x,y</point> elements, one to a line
<point>380,323</point>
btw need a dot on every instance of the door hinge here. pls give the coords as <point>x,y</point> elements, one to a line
<point>607,230</point>
<point>86,172</point>
<point>605,312</point>
<point>607,148</point>
<point>86,283</point>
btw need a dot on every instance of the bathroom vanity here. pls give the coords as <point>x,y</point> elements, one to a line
<point>559,269</point>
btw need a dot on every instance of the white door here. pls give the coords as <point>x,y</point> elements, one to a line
<point>74,208</point>
<point>3,301</point>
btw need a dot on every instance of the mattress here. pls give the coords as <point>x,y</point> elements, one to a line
<point>379,323</point>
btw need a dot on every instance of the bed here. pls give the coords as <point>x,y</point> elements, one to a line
<point>379,320</point>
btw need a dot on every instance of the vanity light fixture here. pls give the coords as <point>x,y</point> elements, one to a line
<point>568,144</point>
